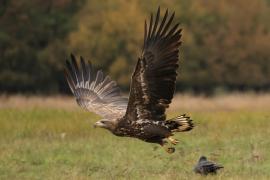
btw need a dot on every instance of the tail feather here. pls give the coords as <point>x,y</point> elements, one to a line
<point>217,166</point>
<point>180,123</point>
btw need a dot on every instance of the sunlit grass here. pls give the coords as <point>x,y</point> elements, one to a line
<point>55,143</point>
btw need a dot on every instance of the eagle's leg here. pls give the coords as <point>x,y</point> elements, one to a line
<point>172,140</point>
<point>169,150</point>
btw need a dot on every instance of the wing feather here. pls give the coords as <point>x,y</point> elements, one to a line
<point>95,93</point>
<point>153,81</point>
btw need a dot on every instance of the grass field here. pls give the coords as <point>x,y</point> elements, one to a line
<point>51,138</point>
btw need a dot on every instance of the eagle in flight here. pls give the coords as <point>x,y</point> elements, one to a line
<point>152,87</point>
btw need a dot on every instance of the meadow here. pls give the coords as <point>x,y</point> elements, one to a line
<point>52,138</point>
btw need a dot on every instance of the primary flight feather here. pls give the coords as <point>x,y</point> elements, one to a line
<point>152,88</point>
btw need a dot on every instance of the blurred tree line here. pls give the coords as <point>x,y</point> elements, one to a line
<point>225,43</point>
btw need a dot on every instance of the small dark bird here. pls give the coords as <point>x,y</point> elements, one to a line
<point>143,114</point>
<point>206,167</point>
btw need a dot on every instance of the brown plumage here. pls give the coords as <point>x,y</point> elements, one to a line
<point>151,90</point>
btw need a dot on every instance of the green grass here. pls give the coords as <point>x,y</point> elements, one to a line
<point>49,143</point>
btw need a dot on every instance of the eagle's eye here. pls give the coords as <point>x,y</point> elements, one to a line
<point>103,122</point>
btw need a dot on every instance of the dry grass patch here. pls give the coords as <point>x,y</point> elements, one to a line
<point>189,103</point>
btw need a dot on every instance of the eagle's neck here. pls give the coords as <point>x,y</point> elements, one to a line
<point>121,128</point>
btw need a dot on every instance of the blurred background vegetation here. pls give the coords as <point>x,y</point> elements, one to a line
<point>225,43</point>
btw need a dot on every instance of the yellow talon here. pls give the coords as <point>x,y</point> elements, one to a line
<point>173,141</point>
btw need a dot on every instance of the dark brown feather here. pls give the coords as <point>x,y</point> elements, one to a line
<point>153,80</point>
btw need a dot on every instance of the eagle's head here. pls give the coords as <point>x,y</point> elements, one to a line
<point>105,123</point>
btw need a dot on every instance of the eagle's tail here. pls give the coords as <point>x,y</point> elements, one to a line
<point>180,123</point>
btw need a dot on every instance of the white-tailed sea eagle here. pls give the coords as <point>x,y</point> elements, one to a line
<point>152,88</point>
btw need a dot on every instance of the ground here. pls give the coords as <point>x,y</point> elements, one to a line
<point>52,138</point>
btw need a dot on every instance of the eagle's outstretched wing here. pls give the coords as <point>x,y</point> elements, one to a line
<point>95,92</point>
<point>153,80</point>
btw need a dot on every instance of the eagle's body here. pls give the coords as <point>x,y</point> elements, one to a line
<point>152,131</point>
<point>149,131</point>
<point>152,87</point>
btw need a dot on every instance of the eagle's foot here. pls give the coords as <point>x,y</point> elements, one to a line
<point>173,141</point>
<point>164,144</point>
<point>170,150</point>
